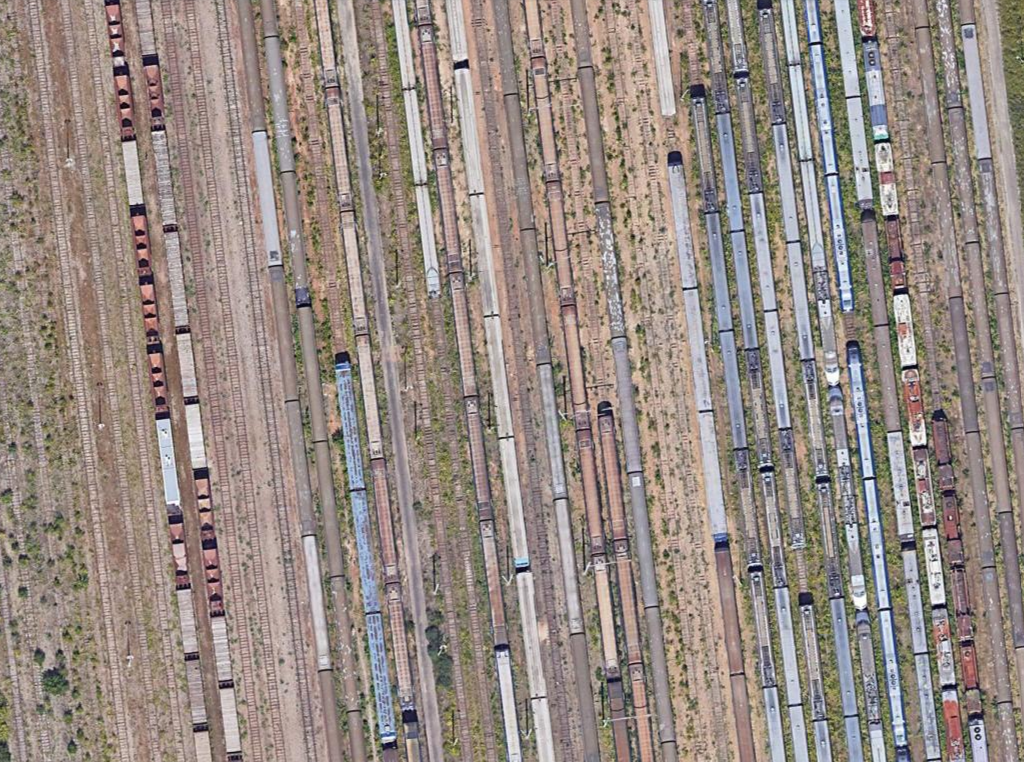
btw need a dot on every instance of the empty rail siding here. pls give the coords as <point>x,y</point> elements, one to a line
<point>807,351</point>
<point>162,412</point>
<point>737,425</point>
<point>289,368</point>
<point>471,401</point>
<point>715,497</point>
<point>623,377</point>
<point>528,240</point>
<point>1006,741</point>
<point>749,331</point>
<point>902,311</point>
<point>495,347</point>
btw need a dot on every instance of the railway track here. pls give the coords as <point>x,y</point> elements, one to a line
<point>747,520</point>
<point>530,242</point>
<point>523,396</point>
<point>310,363</point>
<point>127,742</point>
<point>623,375</point>
<point>969,241</point>
<point>809,369</point>
<point>494,318</point>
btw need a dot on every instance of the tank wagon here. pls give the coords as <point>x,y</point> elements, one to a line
<point>438,131</point>
<point>641,719</point>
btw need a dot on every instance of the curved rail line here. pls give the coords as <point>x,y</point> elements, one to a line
<point>1005,739</point>
<point>895,447</point>
<point>311,366</point>
<point>586,77</point>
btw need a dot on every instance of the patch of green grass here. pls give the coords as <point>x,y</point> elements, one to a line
<point>1011,18</point>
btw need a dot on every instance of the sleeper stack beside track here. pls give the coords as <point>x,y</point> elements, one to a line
<point>585,75</point>
<point>1005,740</point>
<point>289,370</point>
<point>895,448</point>
<point>190,391</point>
<point>714,493</point>
<point>528,240</point>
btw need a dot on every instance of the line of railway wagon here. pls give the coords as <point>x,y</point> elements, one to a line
<point>837,410</point>
<point>598,561</point>
<point>751,343</point>
<point>190,390</point>
<point>495,349</point>
<point>917,430</point>
<point>361,524</point>
<point>375,443</point>
<point>608,251</point>
<point>528,239</point>
<point>289,371</point>
<point>806,345</point>
<point>910,376</point>
<point>1004,738</point>
<point>454,271</point>
<point>713,492</point>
